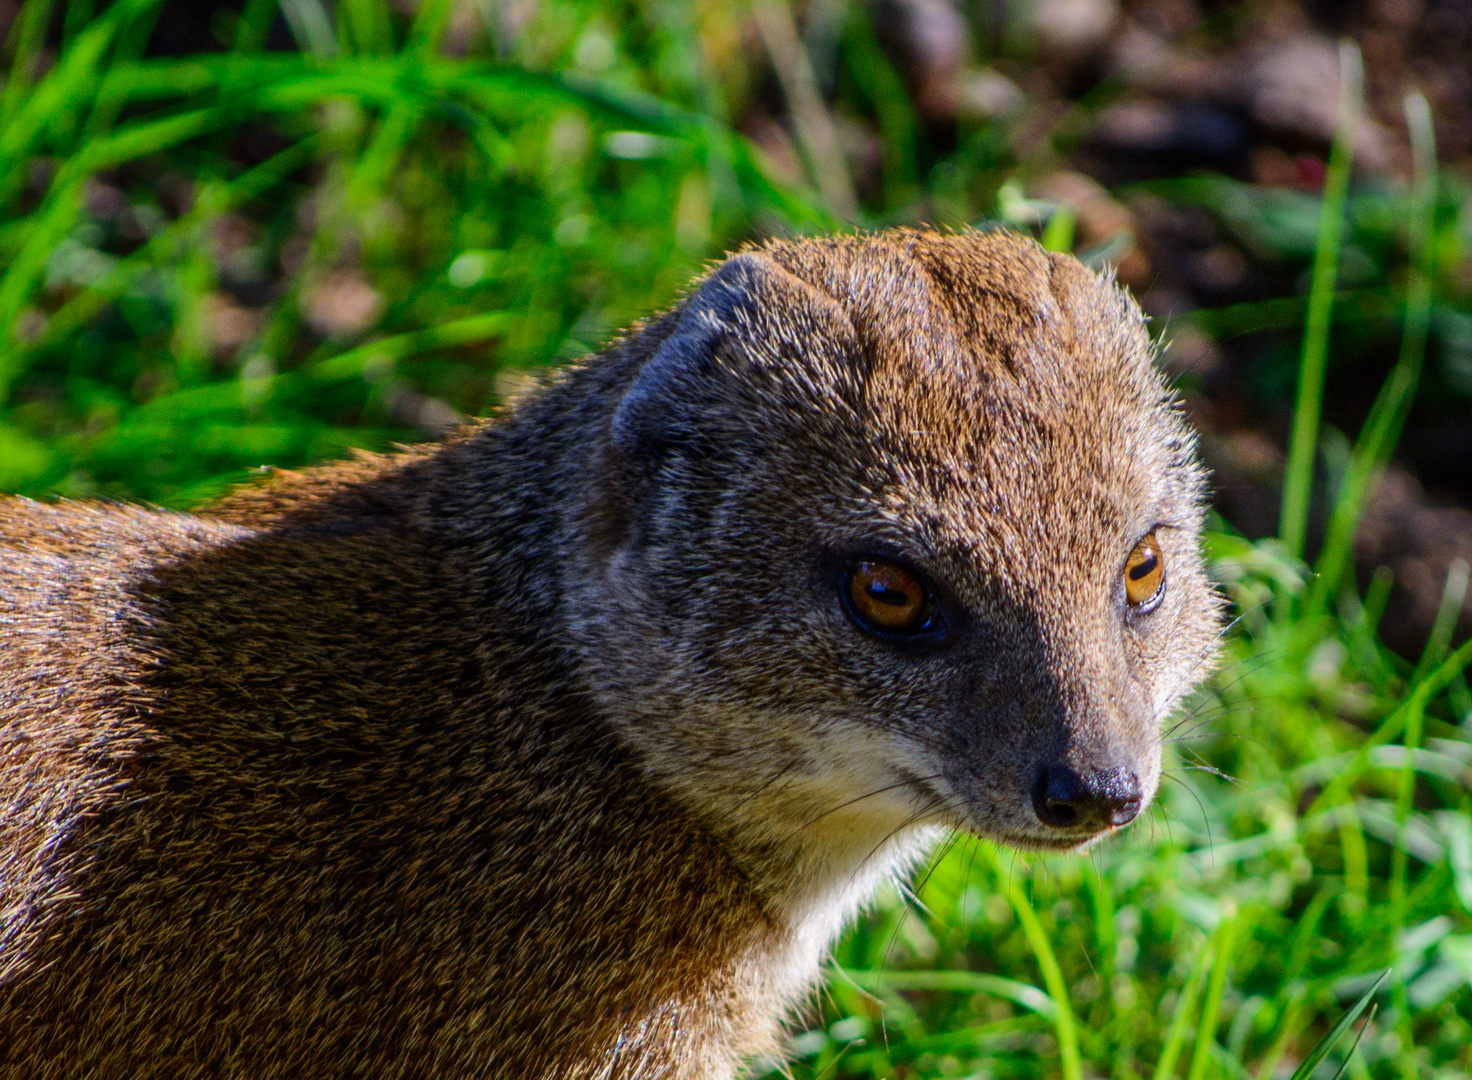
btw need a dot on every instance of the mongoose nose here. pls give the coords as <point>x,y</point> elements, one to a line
<point>1065,800</point>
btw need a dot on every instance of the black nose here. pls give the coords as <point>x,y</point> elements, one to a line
<point>1065,800</point>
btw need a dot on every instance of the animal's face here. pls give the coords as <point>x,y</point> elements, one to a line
<point>903,534</point>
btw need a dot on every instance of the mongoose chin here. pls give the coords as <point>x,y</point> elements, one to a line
<point>565,748</point>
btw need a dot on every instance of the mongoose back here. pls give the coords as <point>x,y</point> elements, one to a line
<point>565,748</point>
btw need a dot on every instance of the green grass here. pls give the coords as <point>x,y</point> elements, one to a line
<point>511,207</point>
<point>1303,442</point>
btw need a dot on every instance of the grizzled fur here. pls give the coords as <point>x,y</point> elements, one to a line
<point>550,751</point>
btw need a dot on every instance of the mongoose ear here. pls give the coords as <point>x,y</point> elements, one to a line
<point>677,387</point>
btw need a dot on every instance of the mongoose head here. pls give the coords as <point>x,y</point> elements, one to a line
<point>893,530</point>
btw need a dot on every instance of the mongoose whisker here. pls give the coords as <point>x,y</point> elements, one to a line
<point>1205,818</point>
<point>908,782</point>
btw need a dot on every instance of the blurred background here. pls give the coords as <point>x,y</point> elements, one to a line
<point>266,232</point>
<point>321,176</point>
<point>583,159</point>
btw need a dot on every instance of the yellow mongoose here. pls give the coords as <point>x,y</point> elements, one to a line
<point>565,748</point>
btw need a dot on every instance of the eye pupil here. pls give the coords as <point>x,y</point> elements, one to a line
<point>1144,575</point>
<point>888,596</point>
<point>887,599</point>
<point>1146,567</point>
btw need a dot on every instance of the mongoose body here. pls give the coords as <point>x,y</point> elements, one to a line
<point>566,747</point>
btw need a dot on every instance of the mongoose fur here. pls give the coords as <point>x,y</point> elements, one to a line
<point>550,750</point>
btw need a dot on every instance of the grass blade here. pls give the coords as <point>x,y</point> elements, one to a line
<point>1211,1011</point>
<point>1448,613</point>
<point>66,87</point>
<point>1307,1066</point>
<point>429,26</point>
<point>309,25</point>
<point>467,331</point>
<point>1358,1035</point>
<point>85,305</point>
<point>1298,481</point>
<point>896,113</point>
<point>1404,718</point>
<point>1451,607</point>
<point>78,14</point>
<point>1175,1038</point>
<point>1058,233</point>
<point>134,30</point>
<point>62,206</point>
<point>365,360</point>
<point>30,37</point>
<point>254,26</point>
<point>364,26</point>
<point>1064,1024</point>
<point>967,982</point>
<point>815,129</point>
<point>1392,405</point>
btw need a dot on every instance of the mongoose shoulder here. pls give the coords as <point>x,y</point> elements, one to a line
<point>565,748</point>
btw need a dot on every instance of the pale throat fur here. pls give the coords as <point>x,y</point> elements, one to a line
<point>982,414</point>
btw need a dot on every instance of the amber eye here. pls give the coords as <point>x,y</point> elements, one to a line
<point>887,598</point>
<point>1144,575</point>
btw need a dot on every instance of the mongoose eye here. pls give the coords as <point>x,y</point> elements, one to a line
<point>1144,575</point>
<point>887,599</point>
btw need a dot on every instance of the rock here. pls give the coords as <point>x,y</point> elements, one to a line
<point>986,94</point>
<point>1169,69</point>
<point>1163,300</point>
<point>1251,453</point>
<point>1293,87</point>
<point>103,201</point>
<point>1203,130</point>
<point>1418,540</point>
<point>1221,268</point>
<point>342,305</point>
<point>229,325</point>
<point>1138,125</point>
<point>1100,219</point>
<point>928,40</point>
<point>430,414</point>
<point>1402,14</point>
<point>1073,28</point>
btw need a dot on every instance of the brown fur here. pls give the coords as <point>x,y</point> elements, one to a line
<point>550,751</point>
